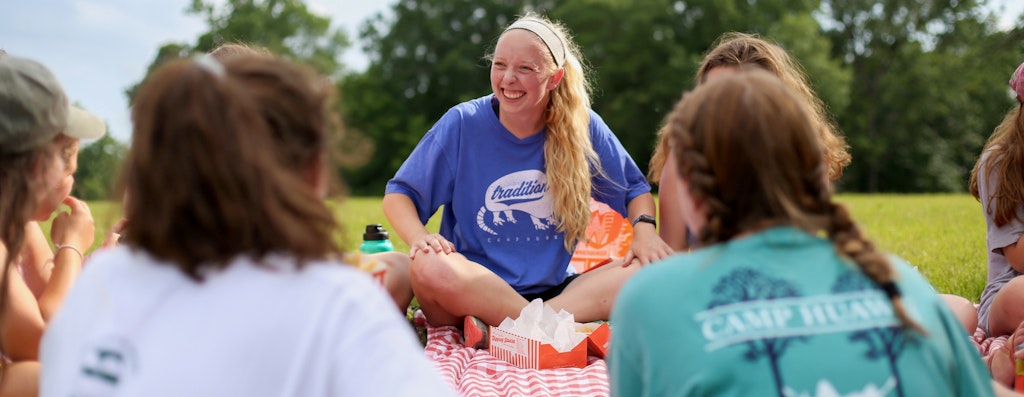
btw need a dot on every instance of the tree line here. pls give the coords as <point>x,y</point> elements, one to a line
<point>916,86</point>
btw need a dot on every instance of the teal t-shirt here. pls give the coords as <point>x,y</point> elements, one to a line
<point>780,313</point>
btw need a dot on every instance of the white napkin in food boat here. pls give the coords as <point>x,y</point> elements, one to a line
<point>539,321</point>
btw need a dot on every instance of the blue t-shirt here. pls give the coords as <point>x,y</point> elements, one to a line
<point>780,313</point>
<point>493,186</point>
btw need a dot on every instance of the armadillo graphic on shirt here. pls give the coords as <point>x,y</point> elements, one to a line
<point>514,198</point>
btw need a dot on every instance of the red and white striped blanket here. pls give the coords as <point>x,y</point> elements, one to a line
<point>987,344</point>
<point>473,372</point>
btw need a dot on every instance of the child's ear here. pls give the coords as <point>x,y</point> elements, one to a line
<point>556,79</point>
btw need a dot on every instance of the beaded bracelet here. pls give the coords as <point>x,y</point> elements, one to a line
<point>70,247</point>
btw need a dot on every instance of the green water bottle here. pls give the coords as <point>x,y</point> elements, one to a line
<point>375,239</point>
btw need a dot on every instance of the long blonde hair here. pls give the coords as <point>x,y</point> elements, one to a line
<point>741,49</point>
<point>568,153</point>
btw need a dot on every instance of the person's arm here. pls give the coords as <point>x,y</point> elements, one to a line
<point>36,258</point>
<point>21,326</point>
<point>401,213</point>
<point>1014,254</point>
<point>114,235</point>
<point>647,245</point>
<point>72,234</point>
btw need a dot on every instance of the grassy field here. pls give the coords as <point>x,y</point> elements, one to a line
<point>943,235</point>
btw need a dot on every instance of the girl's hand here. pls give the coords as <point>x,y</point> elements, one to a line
<point>647,247</point>
<point>1016,338</point>
<point>435,242</point>
<point>114,236</point>
<point>74,228</point>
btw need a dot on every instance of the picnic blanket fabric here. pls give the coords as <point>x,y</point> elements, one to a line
<point>472,372</point>
<point>987,344</point>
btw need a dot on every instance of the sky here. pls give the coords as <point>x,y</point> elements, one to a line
<point>99,48</point>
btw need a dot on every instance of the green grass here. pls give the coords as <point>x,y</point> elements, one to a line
<point>104,213</point>
<point>356,212</point>
<point>943,234</point>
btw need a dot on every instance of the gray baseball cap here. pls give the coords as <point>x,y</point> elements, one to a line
<point>34,108</point>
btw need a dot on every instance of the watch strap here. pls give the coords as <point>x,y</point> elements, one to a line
<point>646,219</point>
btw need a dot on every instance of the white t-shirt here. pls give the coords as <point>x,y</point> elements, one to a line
<point>132,326</point>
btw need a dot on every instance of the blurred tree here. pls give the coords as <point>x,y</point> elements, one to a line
<point>165,53</point>
<point>98,164</point>
<point>428,56</point>
<point>642,56</point>
<point>803,39</point>
<point>425,57</point>
<point>969,105</point>
<point>285,27</point>
<point>925,91</point>
<point>916,85</point>
<point>645,54</point>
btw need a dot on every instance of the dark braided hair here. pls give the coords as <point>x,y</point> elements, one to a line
<point>745,145</point>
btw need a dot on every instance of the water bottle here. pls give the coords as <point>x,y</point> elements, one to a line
<point>375,239</point>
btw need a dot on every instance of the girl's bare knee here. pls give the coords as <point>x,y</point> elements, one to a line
<point>431,274</point>
<point>20,379</point>
<point>1006,312</point>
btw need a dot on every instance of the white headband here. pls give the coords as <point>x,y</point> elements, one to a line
<point>209,64</point>
<point>546,34</point>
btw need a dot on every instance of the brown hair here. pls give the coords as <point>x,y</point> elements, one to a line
<point>205,179</point>
<point>284,98</point>
<point>286,93</point>
<point>740,49</point>
<point>1005,157</point>
<point>19,189</point>
<point>746,145</point>
<point>20,185</point>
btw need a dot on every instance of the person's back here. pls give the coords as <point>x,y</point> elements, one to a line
<point>780,313</point>
<point>785,295</point>
<point>139,327</point>
<point>226,281</point>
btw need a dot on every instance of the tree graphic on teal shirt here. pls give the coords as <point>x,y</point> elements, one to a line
<point>882,342</point>
<point>743,285</point>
